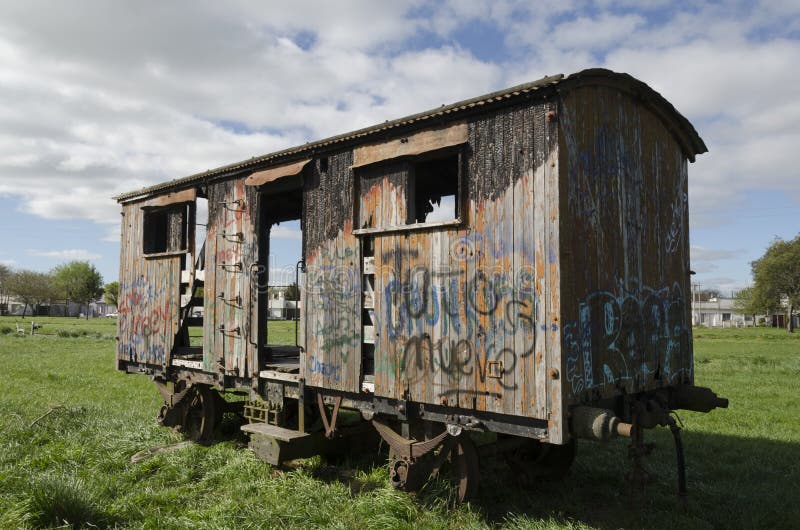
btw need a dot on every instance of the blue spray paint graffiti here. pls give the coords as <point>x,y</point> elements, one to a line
<point>315,366</point>
<point>626,338</point>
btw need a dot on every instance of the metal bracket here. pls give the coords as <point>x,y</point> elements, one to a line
<point>236,237</point>
<point>405,448</point>
<point>330,426</point>
<point>231,266</point>
<point>232,332</point>
<point>235,301</point>
<point>237,202</point>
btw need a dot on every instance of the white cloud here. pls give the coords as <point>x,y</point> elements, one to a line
<point>68,254</point>
<point>706,260</point>
<point>596,33</point>
<point>92,108</point>
<point>282,275</point>
<point>282,232</point>
<point>8,262</point>
<point>99,110</point>
<point>113,234</point>
<point>725,284</point>
<point>708,254</point>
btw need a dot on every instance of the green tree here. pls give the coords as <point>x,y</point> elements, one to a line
<point>776,277</point>
<point>707,294</point>
<point>111,293</point>
<point>745,303</point>
<point>31,287</point>
<point>292,292</point>
<point>5,275</point>
<point>79,281</point>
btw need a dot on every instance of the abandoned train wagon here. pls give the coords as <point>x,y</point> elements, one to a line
<point>516,263</point>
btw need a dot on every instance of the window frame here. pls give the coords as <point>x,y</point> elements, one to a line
<point>411,162</point>
<point>185,209</point>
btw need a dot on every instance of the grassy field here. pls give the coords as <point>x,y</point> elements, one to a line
<point>69,425</point>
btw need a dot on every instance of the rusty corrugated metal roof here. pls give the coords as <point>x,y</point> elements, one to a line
<point>690,141</point>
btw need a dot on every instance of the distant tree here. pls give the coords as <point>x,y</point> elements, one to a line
<point>292,292</point>
<point>5,275</point>
<point>79,281</point>
<point>776,278</point>
<point>32,288</point>
<point>111,293</point>
<point>745,303</point>
<point>707,294</point>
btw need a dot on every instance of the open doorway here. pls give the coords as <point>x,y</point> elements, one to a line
<point>189,338</point>
<point>281,257</point>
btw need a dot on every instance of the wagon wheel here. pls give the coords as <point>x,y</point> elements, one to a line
<point>458,453</point>
<point>202,414</point>
<point>465,468</point>
<point>538,461</point>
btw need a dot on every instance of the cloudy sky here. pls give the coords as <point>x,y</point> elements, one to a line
<point>101,97</point>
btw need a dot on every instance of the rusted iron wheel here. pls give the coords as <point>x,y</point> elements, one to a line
<point>202,414</point>
<point>537,461</point>
<point>459,460</point>
<point>465,470</point>
<point>412,463</point>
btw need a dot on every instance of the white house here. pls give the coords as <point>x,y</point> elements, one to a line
<point>279,307</point>
<point>718,312</point>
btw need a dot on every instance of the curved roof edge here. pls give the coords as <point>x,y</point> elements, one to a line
<point>681,128</point>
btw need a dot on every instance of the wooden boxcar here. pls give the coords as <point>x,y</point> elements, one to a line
<point>517,263</point>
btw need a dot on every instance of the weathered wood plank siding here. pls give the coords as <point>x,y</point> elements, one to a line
<point>456,307</point>
<point>230,333</point>
<point>625,249</point>
<point>332,294</point>
<point>149,295</point>
<point>564,280</point>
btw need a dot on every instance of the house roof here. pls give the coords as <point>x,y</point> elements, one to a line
<point>687,136</point>
<point>715,304</point>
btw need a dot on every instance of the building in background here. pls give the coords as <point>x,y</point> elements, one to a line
<point>718,312</point>
<point>98,308</point>
<point>279,308</point>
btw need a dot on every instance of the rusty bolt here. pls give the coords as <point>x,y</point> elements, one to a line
<point>551,116</point>
<point>553,373</point>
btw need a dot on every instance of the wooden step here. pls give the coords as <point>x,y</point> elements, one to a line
<point>273,431</point>
<point>276,445</point>
<point>369,265</point>
<point>368,335</point>
<point>199,276</point>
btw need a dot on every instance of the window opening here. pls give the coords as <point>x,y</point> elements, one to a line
<point>196,303</point>
<point>200,230</point>
<point>280,253</point>
<point>368,320</point>
<point>410,193</point>
<point>189,339</point>
<point>433,190</point>
<point>165,229</point>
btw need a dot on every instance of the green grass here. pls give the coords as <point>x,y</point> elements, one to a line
<point>278,332</point>
<point>69,424</point>
<point>281,332</point>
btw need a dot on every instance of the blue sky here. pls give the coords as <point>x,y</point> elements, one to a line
<point>97,98</point>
